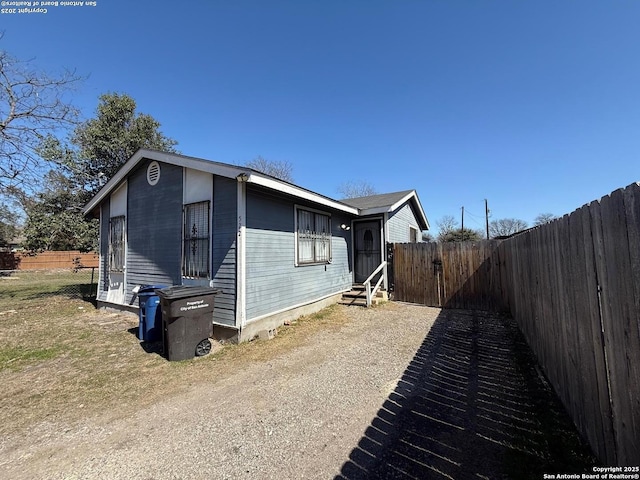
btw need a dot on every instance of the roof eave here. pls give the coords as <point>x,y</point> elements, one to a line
<point>290,189</point>
<point>413,196</point>
<point>220,169</point>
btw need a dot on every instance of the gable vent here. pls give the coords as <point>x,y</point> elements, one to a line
<point>153,173</point>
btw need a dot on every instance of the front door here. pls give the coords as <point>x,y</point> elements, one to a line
<point>367,250</point>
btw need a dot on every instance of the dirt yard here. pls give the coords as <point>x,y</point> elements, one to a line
<point>398,391</point>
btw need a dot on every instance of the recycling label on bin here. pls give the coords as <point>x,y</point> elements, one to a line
<point>194,305</point>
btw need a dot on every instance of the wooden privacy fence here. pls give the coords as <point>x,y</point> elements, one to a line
<point>452,275</point>
<point>46,260</point>
<point>573,287</point>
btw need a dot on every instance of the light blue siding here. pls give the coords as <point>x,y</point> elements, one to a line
<point>223,251</point>
<point>399,222</point>
<point>273,282</point>
<point>154,228</point>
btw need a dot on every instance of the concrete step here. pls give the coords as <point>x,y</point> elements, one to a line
<point>353,302</point>
<point>358,296</point>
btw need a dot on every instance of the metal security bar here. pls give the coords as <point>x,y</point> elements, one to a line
<point>196,244</point>
<point>314,237</point>
<point>116,243</point>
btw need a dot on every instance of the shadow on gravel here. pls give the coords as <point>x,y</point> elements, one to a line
<point>470,405</point>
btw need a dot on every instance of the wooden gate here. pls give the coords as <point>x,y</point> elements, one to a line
<point>451,275</point>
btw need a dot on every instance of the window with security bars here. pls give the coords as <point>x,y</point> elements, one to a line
<point>116,244</point>
<point>313,237</point>
<point>195,243</point>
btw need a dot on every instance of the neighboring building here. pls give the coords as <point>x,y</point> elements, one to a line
<point>274,250</point>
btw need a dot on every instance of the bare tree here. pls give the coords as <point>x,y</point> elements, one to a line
<point>446,225</point>
<point>356,188</point>
<point>281,169</point>
<point>544,218</point>
<point>33,105</point>
<point>506,226</point>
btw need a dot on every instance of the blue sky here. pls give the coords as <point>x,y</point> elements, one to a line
<point>533,105</point>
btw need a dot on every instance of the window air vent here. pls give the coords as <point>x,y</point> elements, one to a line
<point>153,173</point>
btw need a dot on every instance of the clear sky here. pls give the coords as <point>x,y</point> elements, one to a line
<point>533,104</point>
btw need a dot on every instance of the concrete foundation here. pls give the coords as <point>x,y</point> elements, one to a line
<point>116,307</point>
<point>252,329</point>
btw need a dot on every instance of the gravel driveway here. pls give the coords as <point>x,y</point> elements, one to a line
<point>400,391</point>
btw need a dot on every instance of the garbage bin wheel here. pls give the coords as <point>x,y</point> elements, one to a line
<point>203,348</point>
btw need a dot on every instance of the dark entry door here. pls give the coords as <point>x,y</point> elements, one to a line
<point>368,251</point>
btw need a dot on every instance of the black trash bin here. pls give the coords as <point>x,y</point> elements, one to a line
<point>187,320</point>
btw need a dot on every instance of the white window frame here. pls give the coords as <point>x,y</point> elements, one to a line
<point>314,234</point>
<point>186,272</point>
<point>117,246</point>
<point>411,230</point>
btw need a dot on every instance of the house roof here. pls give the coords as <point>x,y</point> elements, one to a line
<point>355,206</point>
<point>387,203</point>
<point>375,201</point>
<point>217,168</point>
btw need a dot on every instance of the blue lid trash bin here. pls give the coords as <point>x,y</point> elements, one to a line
<point>149,314</point>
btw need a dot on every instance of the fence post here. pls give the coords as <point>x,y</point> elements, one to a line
<point>390,280</point>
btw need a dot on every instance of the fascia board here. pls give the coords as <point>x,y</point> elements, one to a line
<point>413,196</point>
<point>290,189</point>
<point>113,182</point>
<point>222,170</point>
<point>208,166</point>
<point>399,203</point>
<point>422,218</point>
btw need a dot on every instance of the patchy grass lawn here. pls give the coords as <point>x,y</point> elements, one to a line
<point>62,359</point>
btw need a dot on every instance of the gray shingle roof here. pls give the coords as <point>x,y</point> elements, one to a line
<point>376,201</point>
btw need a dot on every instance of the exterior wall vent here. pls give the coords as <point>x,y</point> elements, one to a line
<point>153,173</point>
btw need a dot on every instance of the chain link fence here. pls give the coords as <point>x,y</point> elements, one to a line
<point>78,282</point>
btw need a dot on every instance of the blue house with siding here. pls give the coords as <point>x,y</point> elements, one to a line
<point>273,250</point>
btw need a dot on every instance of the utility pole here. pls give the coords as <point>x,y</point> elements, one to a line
<point>486,211</point>
<point>462,229</point>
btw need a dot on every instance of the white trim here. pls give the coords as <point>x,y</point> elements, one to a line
<point>101,271</point>
<point>290,189</point>
<point>403,200</point>
<point>411,227</point>
<point>241,273</point>
<point>297,207</point>
<point>385,230</point>
<point>266,315</point>
<point>215,168</point>
<point>383,245</point>
<point>232,327</point>
<point>197,187</point>
<point>419,212</point>
<point>119,198</point>
<point>197,280</point>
